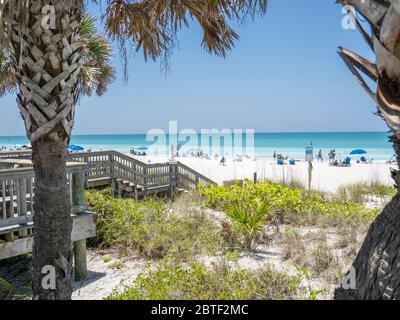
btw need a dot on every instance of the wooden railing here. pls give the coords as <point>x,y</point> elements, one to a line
<point>17,187</point>
<point>189,178</point>
<point>20,154</point>
<point>115,165</point>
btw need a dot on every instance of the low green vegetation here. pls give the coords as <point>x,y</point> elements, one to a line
<point>358,191</point>
<point>174,235</point>
<point>221,282</point>
<point>245,228</point>
<point>15,280</point>
<point>292,206</point>
<point>146,228</point>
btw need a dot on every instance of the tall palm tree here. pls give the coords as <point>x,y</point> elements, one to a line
<point>47,96</point>
<point>42,41</point>
<point>377,264</point>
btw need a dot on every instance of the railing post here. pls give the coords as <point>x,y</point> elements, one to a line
<point>112,173</point>
<point>145,180</point>
<point>78,206</point>
<point>80,260</point>
<point>78,192</point>
<point>23,190</point>
<point>172,177</point>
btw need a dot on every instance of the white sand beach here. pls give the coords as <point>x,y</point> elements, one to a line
<point>324,177</point>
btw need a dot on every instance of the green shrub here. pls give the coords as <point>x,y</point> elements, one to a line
<point>145,228</point>
<point>290,205</point>
<point>277,196</point>
<point>245,225</point>
<point>175,282</point>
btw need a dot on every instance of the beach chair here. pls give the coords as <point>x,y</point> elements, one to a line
<point>280,162</point>
<point>363,159</point>
<point>292,162</point>
<point>347,162</point>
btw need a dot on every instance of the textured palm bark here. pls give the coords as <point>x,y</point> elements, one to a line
<point>46,56</point>
<point>53,224</point>
<point>377,263</point>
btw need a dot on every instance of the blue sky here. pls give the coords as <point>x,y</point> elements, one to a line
<point>284,75</point>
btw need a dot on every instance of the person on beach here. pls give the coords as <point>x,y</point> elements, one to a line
<point>320,156</point>
<point>222,162</point>
<point>274,155</point>
<point>332,155</point>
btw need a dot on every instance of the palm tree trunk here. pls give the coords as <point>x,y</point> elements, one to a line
<point>377,264</point>
<point>53,225</point>
<point>46,55</point>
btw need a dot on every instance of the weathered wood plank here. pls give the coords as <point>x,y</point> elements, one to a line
<point>83,227</point>
<point>15,248</point>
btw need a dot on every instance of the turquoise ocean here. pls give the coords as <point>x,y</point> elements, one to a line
<point>289,144</point>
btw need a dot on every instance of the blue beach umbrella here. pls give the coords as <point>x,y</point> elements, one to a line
<point>358,151</point>
<point>76,148</point>
<point>143,148</point>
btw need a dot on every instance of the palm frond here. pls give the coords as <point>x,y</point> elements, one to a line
<point>152,25</point>
<point>87,26</point>
<point>8,80</point>
<point>96,74</point>
<point>15,278</point>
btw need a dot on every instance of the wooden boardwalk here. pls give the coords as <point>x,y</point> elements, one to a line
<point>84,170</point>
<point>17,187</point>
<point>126,174</point>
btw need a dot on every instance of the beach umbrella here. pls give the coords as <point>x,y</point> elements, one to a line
<point>358,151</point>
<point>76,148</point>
<point>143,148</point>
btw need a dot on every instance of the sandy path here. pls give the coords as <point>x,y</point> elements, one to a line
<point>102,279</point>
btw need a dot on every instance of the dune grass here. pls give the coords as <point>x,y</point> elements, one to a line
<point>357,192</point>
<point>221,282</point>
<point>147,229</point>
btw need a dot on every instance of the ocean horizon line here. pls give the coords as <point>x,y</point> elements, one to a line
<point>256,132</point>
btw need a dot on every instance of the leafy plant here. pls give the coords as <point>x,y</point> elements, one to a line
<point>246,223</point>
<point>117,264</point>
<point>305,273</point>
<point>292,206</point>
<point>175,282</point>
